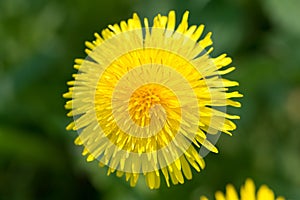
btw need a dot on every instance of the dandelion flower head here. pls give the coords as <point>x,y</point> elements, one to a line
<point>146,99</point>
<point>247,192</point>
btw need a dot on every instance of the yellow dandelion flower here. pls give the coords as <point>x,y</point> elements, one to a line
<point>247,192</point>
<point>146,98</point>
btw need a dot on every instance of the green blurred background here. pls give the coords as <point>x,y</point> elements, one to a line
<point>39,41</point>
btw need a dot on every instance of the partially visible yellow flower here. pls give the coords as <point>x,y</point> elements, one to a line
<point>146,99</point>
<point>247,192</point>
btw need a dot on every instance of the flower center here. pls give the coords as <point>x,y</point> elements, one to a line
<point>142,103</point>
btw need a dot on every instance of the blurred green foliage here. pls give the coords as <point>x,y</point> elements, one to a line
<point>40,40</point>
